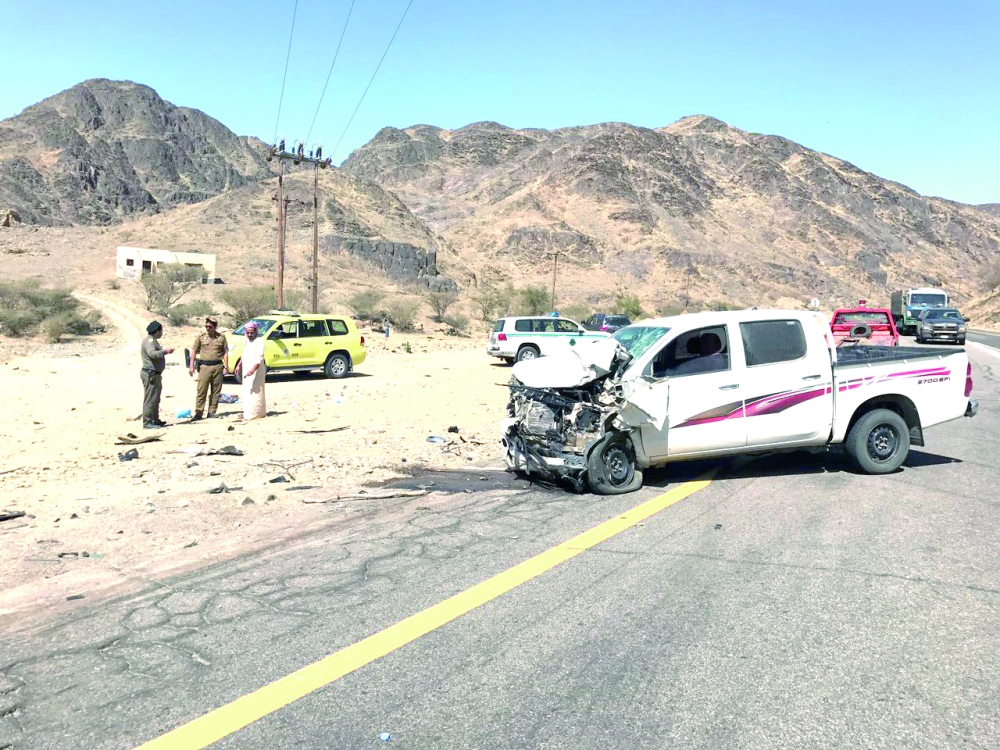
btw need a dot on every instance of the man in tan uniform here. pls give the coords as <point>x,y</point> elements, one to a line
<point>210,356</point>
<point>153,361</point>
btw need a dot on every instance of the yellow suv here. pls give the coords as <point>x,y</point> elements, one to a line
<point>300,343</point>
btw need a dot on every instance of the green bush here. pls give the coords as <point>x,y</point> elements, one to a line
<point>25,304</point>
<point>168,283</point>
<point>402,313</point>
<point>18,323</point>
<point>669,309</point>
<point>578,311</point>
<point>628,304</point>
<point>440,302</point>
<point>457,323</point>
<point>365,305</point>
<point>113,285</point>
<point>55,326</point>
<point>249,302</point>
<point>180,315</point>
<point>533,300</point>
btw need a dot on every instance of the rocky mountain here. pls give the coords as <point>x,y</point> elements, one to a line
<point>104,151</point>
<point>694,210</point>
<point>993,208</point>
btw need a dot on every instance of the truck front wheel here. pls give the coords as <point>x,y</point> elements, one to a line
<point>611,468</point>
<point>879,442</point>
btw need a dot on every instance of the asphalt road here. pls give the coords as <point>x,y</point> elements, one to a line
<point>789,604</point>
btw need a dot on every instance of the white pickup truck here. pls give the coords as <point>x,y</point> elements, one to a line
<point>723,383</point>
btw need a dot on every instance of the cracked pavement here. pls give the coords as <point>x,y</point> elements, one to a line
<point>790,604</point>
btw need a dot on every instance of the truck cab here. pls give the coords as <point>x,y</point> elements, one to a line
<point>908,304</point>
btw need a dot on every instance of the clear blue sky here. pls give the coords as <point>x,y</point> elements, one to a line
<point>907,90</point>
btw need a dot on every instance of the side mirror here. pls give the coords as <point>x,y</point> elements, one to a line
<point>966,319</point>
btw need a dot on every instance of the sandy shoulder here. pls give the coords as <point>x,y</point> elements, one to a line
<point>139,520</point>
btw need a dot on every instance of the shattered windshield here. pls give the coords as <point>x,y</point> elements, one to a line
<point>637,339</point>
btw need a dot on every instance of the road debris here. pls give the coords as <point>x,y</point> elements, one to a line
<point>362,495</point>
<point>246,501</point>
<point>131,439</point>
<point>286,466</point>
<point>221,488</point>
<point>10,515</point>
<point>128,455</point>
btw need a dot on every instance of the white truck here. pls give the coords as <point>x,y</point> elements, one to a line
<point>724,383</point>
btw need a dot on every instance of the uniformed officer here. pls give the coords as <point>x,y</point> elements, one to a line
<point>153,362</point>
<point>210,356</point>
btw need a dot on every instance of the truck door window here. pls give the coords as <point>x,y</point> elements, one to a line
<point>522,326</point>
<point>692,353</point>
<point>768,341</point>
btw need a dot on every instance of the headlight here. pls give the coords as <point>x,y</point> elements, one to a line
<point>961,329</point>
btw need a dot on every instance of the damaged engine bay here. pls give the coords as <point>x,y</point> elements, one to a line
<point>570,433</point>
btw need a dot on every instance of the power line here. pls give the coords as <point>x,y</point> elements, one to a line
<point>388,46</point>
<point>335,54</point>
<point>288,56</point>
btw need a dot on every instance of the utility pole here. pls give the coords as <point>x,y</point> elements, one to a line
<point>555,265</point>
<point>281,235</point>
<point>315,277</point>
<point>297,156</point>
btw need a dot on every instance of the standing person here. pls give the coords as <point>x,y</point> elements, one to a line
<point>211,365</point>
<point>253,371</point>
<point>153,361</point>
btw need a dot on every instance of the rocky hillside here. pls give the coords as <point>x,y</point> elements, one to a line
<point>105,151</point>
<point>695,210</point>
<point>367,238</point>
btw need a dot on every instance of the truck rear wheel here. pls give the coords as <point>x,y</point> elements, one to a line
<point>879,442</point>
<point>611,468</point>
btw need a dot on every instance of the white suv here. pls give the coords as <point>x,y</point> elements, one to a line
<point>535,336</point>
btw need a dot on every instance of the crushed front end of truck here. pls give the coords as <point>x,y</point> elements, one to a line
<point>564,425</point>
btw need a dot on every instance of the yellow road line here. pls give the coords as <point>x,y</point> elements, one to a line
<point>247,709</point>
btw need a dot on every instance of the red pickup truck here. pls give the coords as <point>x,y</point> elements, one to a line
<point>873,326</point>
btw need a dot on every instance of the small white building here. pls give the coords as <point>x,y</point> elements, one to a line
<point>135,261</point>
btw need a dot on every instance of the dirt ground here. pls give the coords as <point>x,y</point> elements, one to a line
<point>97,524</point>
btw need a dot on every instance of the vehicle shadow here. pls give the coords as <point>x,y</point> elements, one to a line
<point>792,463</point>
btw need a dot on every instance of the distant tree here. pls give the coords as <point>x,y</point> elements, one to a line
<point>249,302</point>
<point>494,302</point>
<point>991,279</point>
<point>168,283</point>
<point>440,302</point>
<point>402,313</point>
<point>628,304</point>
<point>365,305</point>
<point>534,300</point>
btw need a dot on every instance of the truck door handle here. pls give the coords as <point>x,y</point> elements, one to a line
<point>301,345</point>
<point>732,387</point>
<point>812,377</point>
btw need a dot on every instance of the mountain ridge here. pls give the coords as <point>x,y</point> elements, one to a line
<point>104,150</point>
